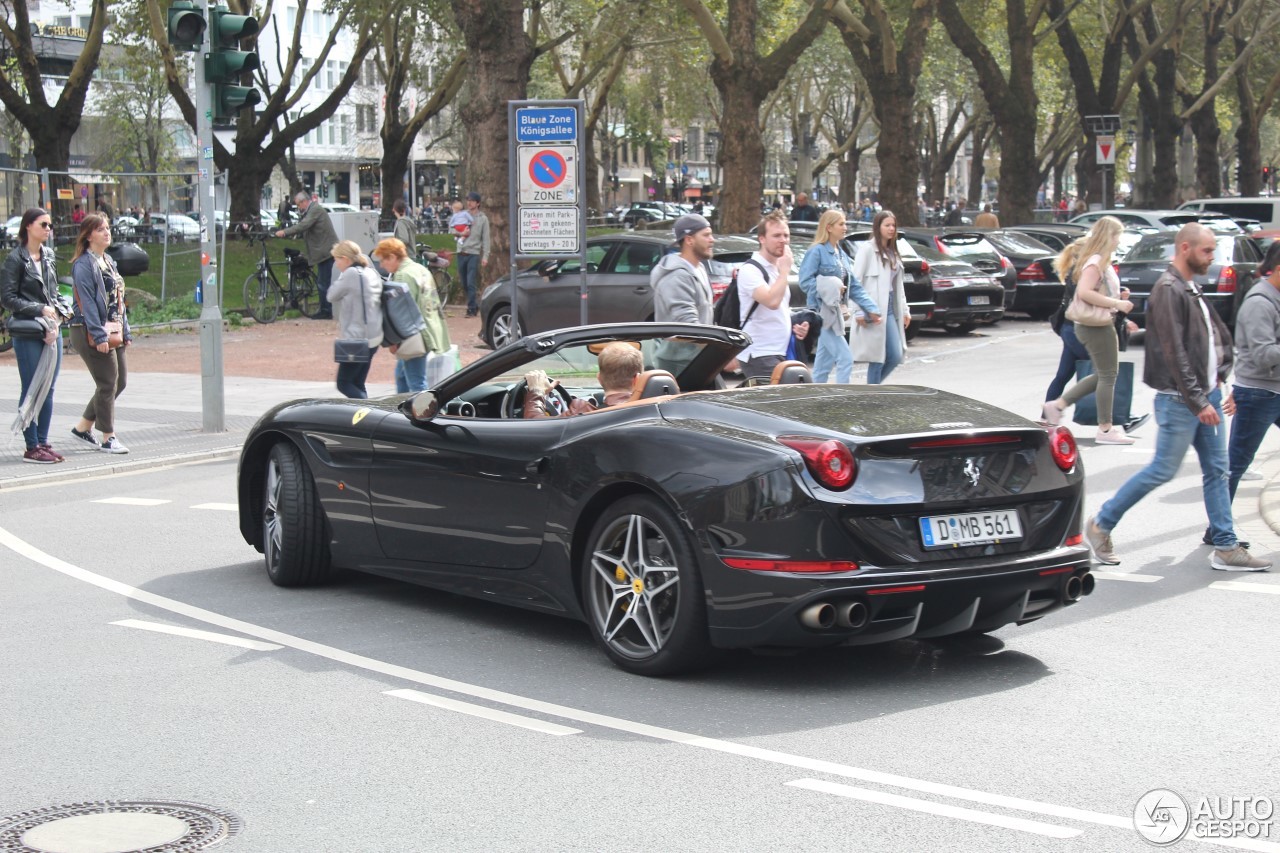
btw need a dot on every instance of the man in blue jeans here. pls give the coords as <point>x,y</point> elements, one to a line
<point>1257,380</point>
<point>473,253</point>
<point>1189,355</point>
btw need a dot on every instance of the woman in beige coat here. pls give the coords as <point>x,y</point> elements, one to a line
<point>878,341</point>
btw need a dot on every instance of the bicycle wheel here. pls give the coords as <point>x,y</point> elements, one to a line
<point>262,297</point>
<point>446,285</point>
<point>306,295</point>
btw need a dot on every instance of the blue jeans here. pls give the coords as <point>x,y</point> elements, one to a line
<point>879,371</point>
<point>469,271</point>
<point>1072,351</point>
<point>833,349</point>
<point>1179,430</point>
<point>351,377</point>
<point>324,277</point>
<point>1256,411</point>
<point>28,351</point>
<point>411,374</point>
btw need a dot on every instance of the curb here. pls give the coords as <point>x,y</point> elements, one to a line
<point>47,477</point>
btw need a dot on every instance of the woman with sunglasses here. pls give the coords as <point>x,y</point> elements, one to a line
<point>29,289</point>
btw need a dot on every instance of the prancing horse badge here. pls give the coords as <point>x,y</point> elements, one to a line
<point>972,471</point>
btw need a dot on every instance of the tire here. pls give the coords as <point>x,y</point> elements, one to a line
<point>960,329</point>
<point>641,590</point>
<point>497,330</point>
<point>262,298</point>
<point>295,534</point>
<point>446,286</point>
<point>307,294</point>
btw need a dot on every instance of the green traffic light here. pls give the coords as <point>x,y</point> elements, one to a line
<point>226,65</point>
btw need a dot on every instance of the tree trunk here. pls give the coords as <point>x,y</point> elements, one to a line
<point>591,168</point>
<point>741,151</point>
<point>1204,121</point>
<point>899,156</point>
<point>501,54</point>
<point>1167,135</point>
<point>849,164</point>
<point>395,163</point>
<point>977,169</point>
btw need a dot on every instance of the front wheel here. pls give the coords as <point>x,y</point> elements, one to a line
<point>262,298</point>
<point>498,330</point>
<point>295,533</point>
<point>643,594</point>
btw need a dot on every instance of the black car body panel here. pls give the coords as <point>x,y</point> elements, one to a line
<point>1055,235</point>
<point>917,280</point>
<point>972,247</point>
<point>476,503</point>
<point>1233,271</point>
<point>1039,289</point>
<point>963,296</point>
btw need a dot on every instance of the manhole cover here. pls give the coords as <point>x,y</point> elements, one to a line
<point>144,826</point>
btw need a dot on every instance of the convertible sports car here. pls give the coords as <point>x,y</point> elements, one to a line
<point>688,519</point>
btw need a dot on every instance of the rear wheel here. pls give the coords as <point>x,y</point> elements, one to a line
<point>295,534</point>
<point>306,294</point>
<point>446,285</point>
<point>262,298</point>
<point>644,599</point>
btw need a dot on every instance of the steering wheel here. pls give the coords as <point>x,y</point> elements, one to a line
<point>556,403</point>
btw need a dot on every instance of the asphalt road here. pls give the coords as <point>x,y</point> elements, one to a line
<point>375,716</point>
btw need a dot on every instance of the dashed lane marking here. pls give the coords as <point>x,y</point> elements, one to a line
<point>481,711</point>
<point>1243,586</point>
<point>928,807</point>
<point>132,501</point>
<point>1127,576</point>
<point>196,634</point>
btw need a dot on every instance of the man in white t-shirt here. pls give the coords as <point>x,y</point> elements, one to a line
<point>767,300</point>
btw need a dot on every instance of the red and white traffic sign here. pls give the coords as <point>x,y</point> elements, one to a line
<point>1106,150</point>
<point>548,174</point>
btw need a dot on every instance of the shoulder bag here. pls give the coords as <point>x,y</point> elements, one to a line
<point>1086,313</point>
<point>354,350</point>
<point>113,328</point>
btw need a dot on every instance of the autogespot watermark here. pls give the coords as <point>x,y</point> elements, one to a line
<point>1163,817</point>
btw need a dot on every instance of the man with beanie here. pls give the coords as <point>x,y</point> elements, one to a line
<point>473,252</point>
<point>681,291</point>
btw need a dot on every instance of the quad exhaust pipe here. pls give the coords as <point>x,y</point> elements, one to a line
<point>819,616</point>
<point>1078,585</point>
<point>845,614</point>
<point>852,614</point>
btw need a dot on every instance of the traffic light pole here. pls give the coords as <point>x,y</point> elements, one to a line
<point>213,403</point>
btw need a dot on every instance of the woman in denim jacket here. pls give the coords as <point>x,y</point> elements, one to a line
<point>28,289</point>
<point>826,258</point>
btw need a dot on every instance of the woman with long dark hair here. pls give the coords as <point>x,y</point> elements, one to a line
<point>877,338</point>
<point>29,290</point>
<point>100,318</point>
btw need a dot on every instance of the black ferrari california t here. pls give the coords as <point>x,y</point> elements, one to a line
<point>692,517</point>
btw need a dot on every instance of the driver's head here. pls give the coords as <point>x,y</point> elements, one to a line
<point>619,364</point>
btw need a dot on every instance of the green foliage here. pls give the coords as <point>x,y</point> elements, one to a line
<point>179,308</point>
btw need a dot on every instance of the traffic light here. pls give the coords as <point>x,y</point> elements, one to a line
<point>226,64</point>
<point>186,26</point>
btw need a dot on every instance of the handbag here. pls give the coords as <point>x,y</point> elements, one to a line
<point>411,347</point>
<point>113,328</point>
<point>1086,313</point>
<point>354,350</point>
<point>26,327</point>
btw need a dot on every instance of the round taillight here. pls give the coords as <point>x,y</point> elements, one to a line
<point>829,461</point>
<point>1062,444</point>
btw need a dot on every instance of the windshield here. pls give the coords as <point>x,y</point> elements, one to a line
<point>1022,243</point>
<point>576,366</point>
<point>966,246</point>
<point>1162,247</point>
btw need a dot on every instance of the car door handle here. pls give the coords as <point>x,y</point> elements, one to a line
<point>644,289</point>
<point>537,466</point>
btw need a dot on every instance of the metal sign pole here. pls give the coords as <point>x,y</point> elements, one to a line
<point>212,403</point>
<point>513,192</point>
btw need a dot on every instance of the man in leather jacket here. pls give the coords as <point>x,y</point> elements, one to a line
<point>1188,357</point>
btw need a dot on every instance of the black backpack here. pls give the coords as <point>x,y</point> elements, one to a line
<point>728,309</point>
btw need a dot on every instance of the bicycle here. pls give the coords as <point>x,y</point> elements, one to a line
<point>438,264</point>
<point>264,298</point>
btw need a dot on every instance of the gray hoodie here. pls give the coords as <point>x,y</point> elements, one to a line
<point>1258,338</point>
<point>681,294</point>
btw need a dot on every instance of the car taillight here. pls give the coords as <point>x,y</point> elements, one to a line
<point>943,282</point>
<point>829,461</point>
<point>924,266</point>
<point>1062,444</point>
<point>1032,272</point>
<point>942,247</point>
<point>1005,263</point>
<point>717,290</point>
<point>1227,280</point>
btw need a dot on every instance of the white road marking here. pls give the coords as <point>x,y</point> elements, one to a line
<point>1127,576</point>
<point>481,711</point>
<point>132,501</point>
<point>1242,586</point>
<point>912,804</point>
<point>498,697</point>
<point>199,635</point>
<point>223,507</point>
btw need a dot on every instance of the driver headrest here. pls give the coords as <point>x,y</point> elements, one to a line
<point>653,383</point>
<point>791,373</point>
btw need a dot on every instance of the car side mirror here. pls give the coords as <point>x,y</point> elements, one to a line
<point>421,407</point>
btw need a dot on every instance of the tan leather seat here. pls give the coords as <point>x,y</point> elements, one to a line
<point>653,383</point>
<point>791,373</point>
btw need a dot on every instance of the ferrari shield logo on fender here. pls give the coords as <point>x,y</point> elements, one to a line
<point>359,416</point>
<point>972,471</point>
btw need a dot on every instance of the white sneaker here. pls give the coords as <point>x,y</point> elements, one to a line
<point>1238,560</point>
<point>113,445</point>
<point>1051,414</point>
<point>1115,435</point>
<point>1251,475</point>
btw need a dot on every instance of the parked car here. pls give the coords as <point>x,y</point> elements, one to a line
<point>1262,209</point>
<point>964,297</point>
<point>180,226</point>
<point>787,515</point>
<point>338,207</point>
<point>1163,219</point>
<point>618,267</point>
<point>972,247</point>
<point>637,215</point>
<point>1039,289</point>
<point>917,280</point>
<point>1233,272</point>
<point>1055,235</point>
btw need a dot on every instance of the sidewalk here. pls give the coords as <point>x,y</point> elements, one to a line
<point>159,417</point>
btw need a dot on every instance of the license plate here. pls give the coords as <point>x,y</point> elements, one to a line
<point>969,528</point>
<point>979,300</point>
<point>908,277</point>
